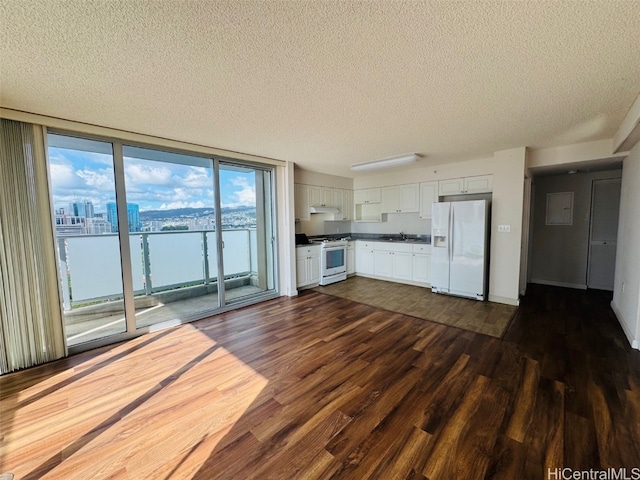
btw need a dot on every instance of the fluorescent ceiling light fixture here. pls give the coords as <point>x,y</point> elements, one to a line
<point>386,163</point>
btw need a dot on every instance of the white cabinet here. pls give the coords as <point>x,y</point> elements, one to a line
<point>320,196</point>
<point>466,185</point>
<point>393,260</point>
<point>307,265</point>
<point>351,258</point>
<point>347,205</point>
<point>367,195</point>
<point>400,198</point>
<point>337,200</point>
<point>409,198</point>
<point>327,197</point>
<point>301,198</point>
<point>367,205</point>
<point>453,186</point>
<point>479,184</point>
<point>404,262</point>
<point>428,196</point>
<point>364,257</point>
<point>342,200</point>
<point>383,263</point>
<point>422,264</point>
<point>314,195</point>
<point>402,265</point>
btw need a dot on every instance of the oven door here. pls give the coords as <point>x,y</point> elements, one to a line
<point>334,260</point>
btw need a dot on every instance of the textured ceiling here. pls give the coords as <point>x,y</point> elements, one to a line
<point>328,84</point>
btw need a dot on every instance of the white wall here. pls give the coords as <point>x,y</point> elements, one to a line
<point>322,179</point>
<point>576,156</point>
<point>409,223</point>
<point>626,303</point>
<point>285,220</point>
<point>508,169</point>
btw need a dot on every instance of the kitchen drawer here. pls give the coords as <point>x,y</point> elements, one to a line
<point>364,244</point>
<point>303,252</point>
<point>393,247</point>
<point>426,249</point>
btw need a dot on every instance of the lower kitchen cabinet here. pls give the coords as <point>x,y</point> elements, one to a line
<point>402,262</point>
<point>393,260</point>
<point>307,265</point>
<point>382,263</point>
<point>402,265</point>
<point>364,257</point>
<point>421,268</point>
<point>351,258</point>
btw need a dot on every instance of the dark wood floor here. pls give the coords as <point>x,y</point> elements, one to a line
<point>322,387</point>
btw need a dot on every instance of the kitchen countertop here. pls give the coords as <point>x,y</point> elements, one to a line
<point>376,237</point>
<point>396,240</point>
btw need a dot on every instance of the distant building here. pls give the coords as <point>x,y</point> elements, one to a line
<point>67,224</point>
<point>97,226</point>
<point>133,216</point>
<point>153,226</point>
<point>82,209</point>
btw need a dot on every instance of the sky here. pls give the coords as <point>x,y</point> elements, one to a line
<point>153,185</point>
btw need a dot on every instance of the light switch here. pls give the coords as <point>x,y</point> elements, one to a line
<point>504,228</point>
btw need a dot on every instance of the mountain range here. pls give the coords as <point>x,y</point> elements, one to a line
<point>149,215</point>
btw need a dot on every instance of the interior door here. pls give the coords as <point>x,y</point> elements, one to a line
<point>605,205</point>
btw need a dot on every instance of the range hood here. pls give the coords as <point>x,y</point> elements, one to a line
<point>321,209</point>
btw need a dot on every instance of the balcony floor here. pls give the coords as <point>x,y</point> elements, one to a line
<point>91,328</point>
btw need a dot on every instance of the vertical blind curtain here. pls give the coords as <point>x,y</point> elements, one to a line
<point>31,329</point>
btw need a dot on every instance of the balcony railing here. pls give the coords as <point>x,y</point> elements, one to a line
<point>160,261</point>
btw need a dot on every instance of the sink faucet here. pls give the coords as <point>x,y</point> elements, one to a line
<point>403,236</point>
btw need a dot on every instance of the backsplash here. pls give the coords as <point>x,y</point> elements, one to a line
<point>408,223</point>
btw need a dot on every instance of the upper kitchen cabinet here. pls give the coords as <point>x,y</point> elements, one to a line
<point>366,195</point>
<point>400,199</point>
<point>466,185</point>
<point>343,201</point>
<point>307,196</point>
<point>428,196</point>
<point>367,205</point>
<point>321,196</point>
<point>301,194</point>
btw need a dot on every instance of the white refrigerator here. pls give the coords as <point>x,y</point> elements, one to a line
<point>459,251</point>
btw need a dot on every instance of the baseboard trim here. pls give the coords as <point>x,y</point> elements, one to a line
<point>506,300</point>
<point>625,328</point>
<point>579,286</point>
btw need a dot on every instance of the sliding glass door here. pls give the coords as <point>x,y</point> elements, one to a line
<point>149,237</point>
<point>171,196</point>
<point>84,201</point>
<point>247,231</point>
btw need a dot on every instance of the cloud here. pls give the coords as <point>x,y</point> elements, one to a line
<point>186,193</point>
<point>63,175</point>
<point>98,179</point>
<point>196,177</point>
<point>172,205</point>
<point>74,180</point>
<point>152,185</point>
<point>245,197</point>
<point>137,173</point>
